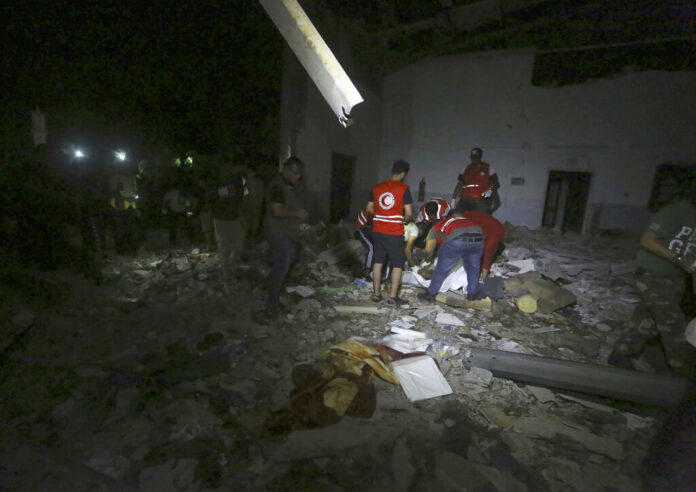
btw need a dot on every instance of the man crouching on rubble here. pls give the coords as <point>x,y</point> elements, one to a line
<point>470,236</point>
<point>284,215</point>
<point>665,261</point>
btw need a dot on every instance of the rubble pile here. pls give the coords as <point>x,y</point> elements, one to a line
<point>159,379</point>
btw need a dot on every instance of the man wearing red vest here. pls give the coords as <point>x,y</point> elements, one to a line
<point>477,186</point>
<point>431,211</point>
<point>390,203</point>
<point>470,236</point>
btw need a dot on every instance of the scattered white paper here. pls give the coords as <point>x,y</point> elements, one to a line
<point>407,345</point>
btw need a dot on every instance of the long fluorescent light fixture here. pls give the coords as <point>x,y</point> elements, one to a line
<point>315,56</point>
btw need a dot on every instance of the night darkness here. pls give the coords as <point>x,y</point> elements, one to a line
<point>201,76</point>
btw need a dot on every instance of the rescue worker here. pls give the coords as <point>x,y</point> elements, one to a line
<point>431,211</point>
<point>477,187</point>
<point>470,236</point>
<point>390,202</point>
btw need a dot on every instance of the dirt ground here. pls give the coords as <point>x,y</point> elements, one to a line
<point>159,379</point>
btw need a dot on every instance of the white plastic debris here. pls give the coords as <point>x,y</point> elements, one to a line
<point>420,378</point>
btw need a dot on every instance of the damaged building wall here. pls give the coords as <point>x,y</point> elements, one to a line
<point>618,129</point>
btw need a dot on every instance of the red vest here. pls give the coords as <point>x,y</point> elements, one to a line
<point>364,218</point>
<point>388,198</point>
<point>443,209</point>
<point>446,226</point>
<point>476,180</point>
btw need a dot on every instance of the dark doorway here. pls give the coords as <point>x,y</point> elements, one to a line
<point>672,182</point>
<point>566,199</point>
<point>341,184</point>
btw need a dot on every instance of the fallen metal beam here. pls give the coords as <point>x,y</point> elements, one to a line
<point>315,56</point>
<point>654,389</point>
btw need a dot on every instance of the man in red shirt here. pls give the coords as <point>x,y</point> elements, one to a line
<point>470,236</point>
<point>477,186</point>
<point>390,202</point>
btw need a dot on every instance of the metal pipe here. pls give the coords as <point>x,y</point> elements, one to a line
<point>654,389</point>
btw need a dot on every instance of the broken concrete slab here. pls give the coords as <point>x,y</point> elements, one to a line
<point>550,426</point>
<point>459,301</point>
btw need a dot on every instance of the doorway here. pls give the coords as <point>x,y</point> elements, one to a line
<point>566,200</point>
<point>341,185</point>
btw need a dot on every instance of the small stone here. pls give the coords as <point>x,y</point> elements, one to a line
<point>309,304</point>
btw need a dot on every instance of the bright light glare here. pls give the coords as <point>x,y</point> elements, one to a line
<point>79,154</point>
<point>121,156</point>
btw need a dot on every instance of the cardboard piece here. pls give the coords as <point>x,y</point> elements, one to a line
<point>420,378</point>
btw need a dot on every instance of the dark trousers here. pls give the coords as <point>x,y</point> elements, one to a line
<point>283,253</point>
<point>468,250</point>
<point>474,204</point>
<point>124,231</point>
<point>659,315</point>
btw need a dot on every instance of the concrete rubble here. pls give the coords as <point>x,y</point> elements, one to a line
<point>160,380</point>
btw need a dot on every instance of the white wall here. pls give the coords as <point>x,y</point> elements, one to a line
<point>618,129</point>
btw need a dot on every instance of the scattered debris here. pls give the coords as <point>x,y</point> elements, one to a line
<point>160,378</point>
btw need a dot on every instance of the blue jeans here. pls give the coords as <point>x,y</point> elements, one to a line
<point>449,254</point>
<point>283,252</point>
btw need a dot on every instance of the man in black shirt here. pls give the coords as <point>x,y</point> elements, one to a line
<point>284,214</point>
